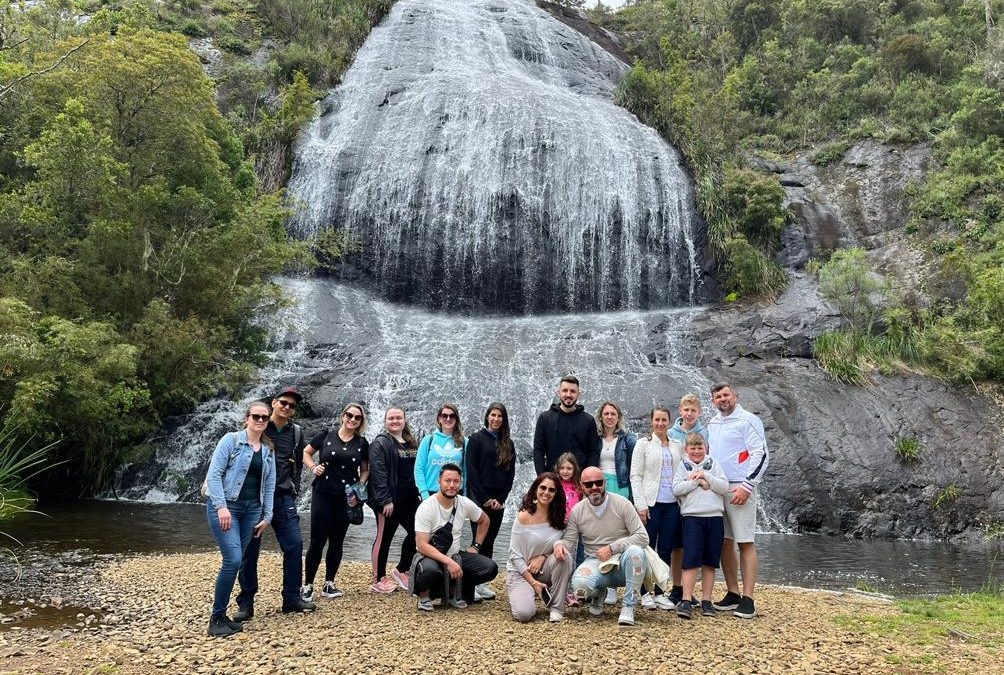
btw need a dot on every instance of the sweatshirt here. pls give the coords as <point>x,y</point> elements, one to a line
<point>739,444</point>
<point>617,526</point>
<point>435,450</point>
<point>485,478</point>
<point>558,432</point>
<point>572,496</point>
<point>694,499</point>
<point>678,433</point>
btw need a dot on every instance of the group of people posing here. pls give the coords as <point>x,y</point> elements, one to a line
<point>607,510</point>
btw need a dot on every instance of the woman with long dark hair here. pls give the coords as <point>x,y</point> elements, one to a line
<point>338,459</point>
<point>393,498</point>
<point>240,485</point>
<point>491,468</point>
<point>446,445</point>
<point>535,570</point>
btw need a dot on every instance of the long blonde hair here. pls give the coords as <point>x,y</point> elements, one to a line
<point>361,431</point>
<point>599,418</point>
<point>458,434</point>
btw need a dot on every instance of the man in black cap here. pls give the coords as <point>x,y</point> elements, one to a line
<point>288,440</point>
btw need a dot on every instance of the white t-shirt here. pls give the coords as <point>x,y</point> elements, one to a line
<point>430,516</point>
<point>607,453</point>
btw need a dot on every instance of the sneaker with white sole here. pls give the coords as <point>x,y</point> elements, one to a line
<point>730,601</point>
<point>663,602</point>
<point>331,591</point>
<point>307,593</point>
<point>402,578</point>
<point>385,586</point>
<point>611,598</point>
<point>596,606</point>
<point>627,616</point>
<point>458,603</point>
<point>484,592</point>
<point>746,609</point>
<point>555,616</point>
<point>648,601</point>
<point>425,605</point>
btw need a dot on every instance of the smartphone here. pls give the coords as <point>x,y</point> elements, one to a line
<point>545,594</point>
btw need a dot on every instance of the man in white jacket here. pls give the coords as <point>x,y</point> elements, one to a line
<point>739,444</point>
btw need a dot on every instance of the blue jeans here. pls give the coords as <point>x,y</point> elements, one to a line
<point>630,574</point>
<point>286,525</point>
<point>244,516</point>
<point>665,530</point>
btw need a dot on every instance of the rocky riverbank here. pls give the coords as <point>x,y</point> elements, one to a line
<point>160,604</point>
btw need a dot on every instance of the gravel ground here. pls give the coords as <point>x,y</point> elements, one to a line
<point>151,614</point>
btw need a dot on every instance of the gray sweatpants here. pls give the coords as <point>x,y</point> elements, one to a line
<point>555,574</point>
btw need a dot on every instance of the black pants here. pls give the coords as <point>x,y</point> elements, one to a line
<point>494,525</point>
<point>286,525</point>
<point>403,516</point>
<point>329,521</point>
<point>432,576</point>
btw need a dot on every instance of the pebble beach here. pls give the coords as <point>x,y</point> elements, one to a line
<point>150,615</point>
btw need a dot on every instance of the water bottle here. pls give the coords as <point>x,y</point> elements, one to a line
<point>349,494</point>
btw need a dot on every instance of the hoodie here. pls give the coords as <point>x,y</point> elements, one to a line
<point>558,432</point>
<point>434,451</point>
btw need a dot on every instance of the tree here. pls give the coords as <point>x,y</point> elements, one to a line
<point>857,293</point>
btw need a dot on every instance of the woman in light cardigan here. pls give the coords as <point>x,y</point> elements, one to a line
<point>535,569</point>
<point>653,464</point>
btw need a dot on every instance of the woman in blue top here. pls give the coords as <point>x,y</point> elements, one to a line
<point>446,445</point>
<point>240,485</point>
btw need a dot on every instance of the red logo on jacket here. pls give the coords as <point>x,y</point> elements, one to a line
<point>744,455</point>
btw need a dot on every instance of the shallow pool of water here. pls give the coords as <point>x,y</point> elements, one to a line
<point>99,528</point>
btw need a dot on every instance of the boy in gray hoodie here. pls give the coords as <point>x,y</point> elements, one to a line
<point>700,486</point>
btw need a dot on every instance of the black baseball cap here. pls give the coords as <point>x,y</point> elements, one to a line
<point>290,391</point>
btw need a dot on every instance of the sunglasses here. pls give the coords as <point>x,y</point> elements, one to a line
<point>258,418</point>
<point>589,484</point>
<point>447,416</point>
<point>287,404</point>
<point>547,489</point>
<point>354,418</point>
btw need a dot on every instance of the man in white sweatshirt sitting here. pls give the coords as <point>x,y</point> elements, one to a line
<point>738,443</point>
<point>615,540</point>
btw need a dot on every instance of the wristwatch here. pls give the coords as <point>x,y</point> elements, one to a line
<point>476,546</point>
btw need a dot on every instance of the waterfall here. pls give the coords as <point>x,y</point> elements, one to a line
<point>475,153</point>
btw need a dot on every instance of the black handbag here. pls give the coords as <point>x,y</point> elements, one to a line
<point>442,538</point>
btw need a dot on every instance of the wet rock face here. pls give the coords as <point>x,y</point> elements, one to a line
<point>858,200</point>
<point>834,466</point>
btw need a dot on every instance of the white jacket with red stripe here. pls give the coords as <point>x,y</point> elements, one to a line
<point>738,443</point>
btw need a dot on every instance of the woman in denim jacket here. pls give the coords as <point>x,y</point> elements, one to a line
<point>240,486</point>
<point>617,449</point>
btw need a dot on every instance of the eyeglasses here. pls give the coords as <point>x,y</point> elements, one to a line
<point>258,418</point>
<point>589,484</point>
<point>287,404</point>
<point>354,418</point>
<point>547,489</point>
<point>447,416</point>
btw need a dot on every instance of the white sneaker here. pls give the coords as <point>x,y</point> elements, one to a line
<point>484,592</point>
<point>596,607</point>
<point>648,601</point>
<point>611,598</point>
<point>662,602</point>
<point>307,593</point>
<point>555,616</point>
<point>627,616</point>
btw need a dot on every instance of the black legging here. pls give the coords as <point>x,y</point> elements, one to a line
<point>329,521</point>
<point>404,516</point>
<point>494,525</point>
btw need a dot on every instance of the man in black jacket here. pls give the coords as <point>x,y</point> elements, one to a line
<point>288,440</point>
<point>566,427</point>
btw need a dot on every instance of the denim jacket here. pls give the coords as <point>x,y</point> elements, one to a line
<point>229,466</point>
<point>622,457</point>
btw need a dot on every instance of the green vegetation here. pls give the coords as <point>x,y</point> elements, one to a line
<point>908,448</point>
<point>947,496</point>
<point>724,81</point>
<point>140,226</point>
<point>865,586</point>
<point>974,617</point>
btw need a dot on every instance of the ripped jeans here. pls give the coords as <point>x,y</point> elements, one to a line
<point>630,574</point>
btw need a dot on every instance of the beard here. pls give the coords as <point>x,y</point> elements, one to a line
<point>596,498</point>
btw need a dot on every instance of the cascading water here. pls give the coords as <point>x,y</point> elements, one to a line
<point>475,152</point>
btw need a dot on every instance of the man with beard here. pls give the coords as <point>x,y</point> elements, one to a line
<point>565,427</point>
<point>738,443</point>
<point>615,540</point>
<point>439,522</point>
<point>288,440</point>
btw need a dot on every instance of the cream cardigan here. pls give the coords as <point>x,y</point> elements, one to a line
<point>646,469</point>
